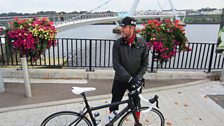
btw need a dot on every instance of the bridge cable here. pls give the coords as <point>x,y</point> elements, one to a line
<point>105,3</point>
<point>159,5</point>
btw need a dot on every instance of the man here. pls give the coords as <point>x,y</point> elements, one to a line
<point>130,62</point>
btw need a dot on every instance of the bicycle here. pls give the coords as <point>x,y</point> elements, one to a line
<point>150,116</point>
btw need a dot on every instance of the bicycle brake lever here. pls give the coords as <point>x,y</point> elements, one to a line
<point>157,103</point>
<point>155,99</point>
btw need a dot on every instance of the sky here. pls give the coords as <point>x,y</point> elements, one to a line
<point>32,6</point>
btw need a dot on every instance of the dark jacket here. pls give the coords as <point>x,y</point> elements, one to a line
<point>130,61</point>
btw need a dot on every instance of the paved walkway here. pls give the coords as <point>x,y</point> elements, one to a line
<point>45,90</point>
<point>182,105</point>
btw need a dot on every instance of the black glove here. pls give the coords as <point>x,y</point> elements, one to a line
<point>136,82</point>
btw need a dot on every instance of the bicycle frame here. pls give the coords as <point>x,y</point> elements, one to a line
<point>123,114</point>
<point>120,114</point>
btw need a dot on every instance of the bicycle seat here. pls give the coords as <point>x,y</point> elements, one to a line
<point>80,90</point>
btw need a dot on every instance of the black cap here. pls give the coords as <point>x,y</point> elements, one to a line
<point>128,21</point>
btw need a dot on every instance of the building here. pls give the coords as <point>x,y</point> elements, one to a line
<point>210,11</point>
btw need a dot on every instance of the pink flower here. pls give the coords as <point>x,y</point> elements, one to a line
<point>16,18</point>
<point>11,22</point>
<point>138,30</point>
<point>153,26</point>
<point>167,20</point>
<point>177,21</point>
<point>156,21</point>
<point>181,27</point>
<point>51,23</point>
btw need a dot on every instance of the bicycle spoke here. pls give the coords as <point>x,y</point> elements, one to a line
<point>66,119</point>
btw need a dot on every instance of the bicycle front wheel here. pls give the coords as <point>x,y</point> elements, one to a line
<point>66,118</point>
<point>151,118</point>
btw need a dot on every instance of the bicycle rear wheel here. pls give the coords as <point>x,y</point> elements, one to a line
<point>151,118</point>
<point>66,118</point>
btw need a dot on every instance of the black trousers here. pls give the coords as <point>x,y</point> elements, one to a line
<point>118,90</point>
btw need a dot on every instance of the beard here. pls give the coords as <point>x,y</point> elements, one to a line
<point>125,35</point>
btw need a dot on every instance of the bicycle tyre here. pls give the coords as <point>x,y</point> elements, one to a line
<point>65,118</point>
<point>151,118</point>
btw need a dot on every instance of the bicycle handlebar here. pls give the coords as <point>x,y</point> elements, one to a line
<point>150,102</point>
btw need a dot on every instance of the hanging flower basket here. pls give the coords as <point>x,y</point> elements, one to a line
<point>165,38</point>
<point>31,37</point>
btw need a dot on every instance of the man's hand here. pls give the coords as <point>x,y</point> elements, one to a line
<point>135,81</point>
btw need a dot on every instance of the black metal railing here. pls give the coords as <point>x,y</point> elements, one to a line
<point>97,53</point>
<point>202,56</point>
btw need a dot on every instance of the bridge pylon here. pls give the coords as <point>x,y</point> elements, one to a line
<point>133,7</point>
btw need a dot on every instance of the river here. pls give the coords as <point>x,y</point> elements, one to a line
<point>194,32</point>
